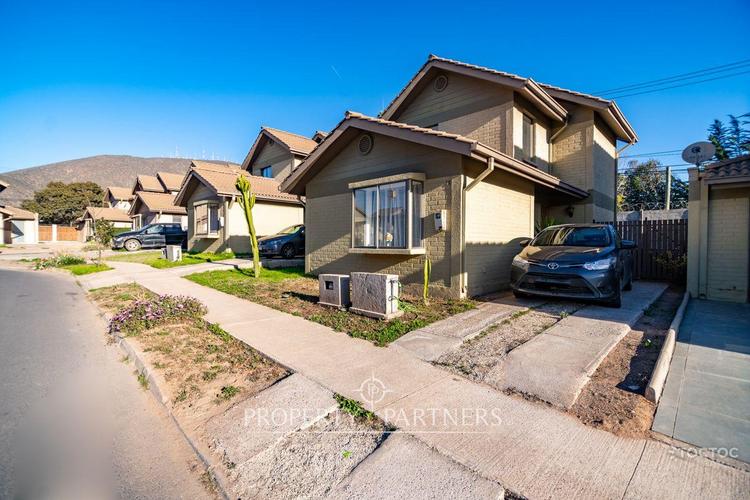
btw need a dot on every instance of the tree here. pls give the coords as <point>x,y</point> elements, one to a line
<point>104,231</point>
<point>61,203</point>
<point>733,140</point>
<point>247,200</point>
<point>643,187</point>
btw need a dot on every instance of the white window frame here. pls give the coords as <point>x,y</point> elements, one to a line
<point>208,205</point>
<point>408,179</point>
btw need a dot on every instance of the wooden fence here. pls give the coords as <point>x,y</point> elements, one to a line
<point>662,248</point>
<point>61,233</point>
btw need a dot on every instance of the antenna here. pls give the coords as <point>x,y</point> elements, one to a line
<point>698,152</point>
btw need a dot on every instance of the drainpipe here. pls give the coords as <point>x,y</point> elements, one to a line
<point>617,161</point>
<point>487,171</point>
<point>554,136</point>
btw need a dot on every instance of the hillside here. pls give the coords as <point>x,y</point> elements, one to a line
<point>105,170</point>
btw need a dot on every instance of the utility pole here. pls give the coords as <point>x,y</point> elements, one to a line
<point>669,187</point>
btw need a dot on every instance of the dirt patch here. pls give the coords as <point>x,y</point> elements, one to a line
<point>290,291</point>
<point>613,399</point>
<point>204,369</point>
<point>308,463</point>
<point>477,357</point>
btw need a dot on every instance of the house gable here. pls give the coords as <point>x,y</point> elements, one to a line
<point>271,154</point>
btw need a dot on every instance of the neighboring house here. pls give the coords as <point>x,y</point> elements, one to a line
<point>216,220</point>
<point>457,169</point>
<point>719,231</point>
<point>276,153</point>
<point>18,225</point>
<point>170,182</point>
<point>118,197</point>
<point>150,208</point>
<point>147,183</point>
<point>85,223</point>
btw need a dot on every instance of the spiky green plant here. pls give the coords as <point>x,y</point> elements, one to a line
<point>427,271</point>
<point>247,200</point>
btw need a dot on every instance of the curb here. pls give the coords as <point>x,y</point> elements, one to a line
<point>218,479</point>
<point>661,369</point>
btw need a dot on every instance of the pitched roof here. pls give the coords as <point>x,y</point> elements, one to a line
<point>148,183</point>
<point>157,202</point>
<point>221,179</point>
<point>106,213</point>
<point>296,144</point>
<point>3,185</point>
<point>435,138</point>
<point>119,193</point>
<point>732,170</point>
<point>539,93</point>
<point>170,182</point>
<point>17,213</point>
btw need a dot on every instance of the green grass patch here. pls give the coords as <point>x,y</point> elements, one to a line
<point>155,260</point>
<point>81,269</point>
<point>353,408</point>
<point>292,291</point>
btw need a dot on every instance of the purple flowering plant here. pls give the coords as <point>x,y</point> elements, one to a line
<point>144,314</point>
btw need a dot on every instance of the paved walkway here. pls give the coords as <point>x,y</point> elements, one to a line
<point>528,448</point>
<point>706,400</point>
<point>557,364</point>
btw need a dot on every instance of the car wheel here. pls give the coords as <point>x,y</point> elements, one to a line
<point>616,301</point>
<point>520,295</point>
<point>629,285</point>
<point>132,245</point>
<point>287,251</point>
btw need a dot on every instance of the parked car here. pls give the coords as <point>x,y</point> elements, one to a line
<point>151,236</point>
<point>287,243</point>
<point>576,261</point>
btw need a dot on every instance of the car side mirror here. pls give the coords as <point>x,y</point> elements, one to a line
<point>524,242</point>
<point>628,244</point>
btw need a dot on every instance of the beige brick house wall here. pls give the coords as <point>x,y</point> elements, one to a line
<point>328,216</point>
<point>499,213</point>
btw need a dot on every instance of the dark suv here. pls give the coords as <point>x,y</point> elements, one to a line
<point>575,261</point>
<point>151,236</point>
<point>287,243</point>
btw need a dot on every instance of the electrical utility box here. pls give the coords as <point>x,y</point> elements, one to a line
<point>334,290</point>
<point>441,220</point>
<point>173,253</point>
<point>375,295</point>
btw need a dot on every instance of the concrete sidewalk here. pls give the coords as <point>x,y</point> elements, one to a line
<point>534,450</point>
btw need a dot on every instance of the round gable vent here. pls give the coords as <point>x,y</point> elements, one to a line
<point>365,144</point>
<point>440,83</point>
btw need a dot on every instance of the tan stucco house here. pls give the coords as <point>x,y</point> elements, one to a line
<point>118,197</point>
<point>719,231</point>
<point>276,153</point>
<point>150,208</point>
<point>85,223</point>
<point>457,169</point>
<point>216,220</point>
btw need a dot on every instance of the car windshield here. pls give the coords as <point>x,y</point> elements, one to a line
<point>573,237</point>
<point>290,229</point>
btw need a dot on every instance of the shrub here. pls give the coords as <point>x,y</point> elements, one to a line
<point>145,314</point>
<point>58,261</point>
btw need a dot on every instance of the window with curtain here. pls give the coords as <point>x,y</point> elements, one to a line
<point>206,219</point>
<point>382,214</point>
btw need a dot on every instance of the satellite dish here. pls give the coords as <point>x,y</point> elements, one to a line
<point>698,152</point>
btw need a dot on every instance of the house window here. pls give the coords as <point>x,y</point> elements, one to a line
<point>266,172</point>
<point>137,221</point>
<point>388,215</point>
<point>527,144</point>
<point>206,219</point>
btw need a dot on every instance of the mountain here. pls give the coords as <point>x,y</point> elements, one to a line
<point>105,170</point>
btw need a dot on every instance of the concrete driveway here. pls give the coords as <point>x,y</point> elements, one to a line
<point>706,400</point>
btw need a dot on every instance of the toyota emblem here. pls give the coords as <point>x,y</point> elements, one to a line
<point>553,265</point>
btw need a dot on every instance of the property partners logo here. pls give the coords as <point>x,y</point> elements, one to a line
<point>408,412</point>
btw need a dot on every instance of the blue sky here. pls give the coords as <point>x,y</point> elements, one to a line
<point>199,78</point>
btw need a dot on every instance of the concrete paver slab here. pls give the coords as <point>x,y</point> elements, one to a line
<point>405,468</point>
<point>706,399</point>
<point>556,364</point>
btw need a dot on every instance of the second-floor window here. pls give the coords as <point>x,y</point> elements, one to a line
<point>527,134</point>
<point>266,172</point>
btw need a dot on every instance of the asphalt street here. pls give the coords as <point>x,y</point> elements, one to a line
<point>74,422</point>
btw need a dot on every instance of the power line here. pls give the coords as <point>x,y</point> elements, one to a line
<point>680,85</point>
<point>669,79</point>
<point>672,152</point>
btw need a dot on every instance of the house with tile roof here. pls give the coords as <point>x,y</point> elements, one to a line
<point>170,182</point>
<point>276,153</point>
<point>118,197</point>
<point>147,183</point>
<point>718,266</point>
<point>16,224</point>
<point>152,208</point>
<point>216,220</point>
<point>86,222</point>
<point>458,168</point>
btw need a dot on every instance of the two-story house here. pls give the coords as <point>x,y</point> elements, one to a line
<point>457,169</point>
<point>276,153</point>
<point>118,197</point>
